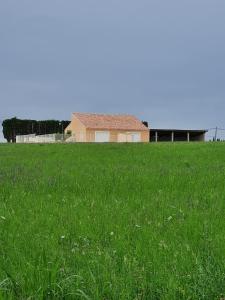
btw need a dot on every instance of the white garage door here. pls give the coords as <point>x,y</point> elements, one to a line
<point>101,136</point>
<point>136,137</point>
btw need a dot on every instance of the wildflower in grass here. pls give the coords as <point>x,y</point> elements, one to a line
<point>111,233</point>
<point>169,218</point>
<point>188,247</point>
<point>3,218</point>
<point>62,237</point>
<point>163,245</point>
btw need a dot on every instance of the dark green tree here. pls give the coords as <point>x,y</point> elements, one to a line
<point>14,126</point>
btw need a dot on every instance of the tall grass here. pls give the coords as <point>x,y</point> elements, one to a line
<point>112,221</point>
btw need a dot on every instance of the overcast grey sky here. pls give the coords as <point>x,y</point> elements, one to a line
<point>161,60</point>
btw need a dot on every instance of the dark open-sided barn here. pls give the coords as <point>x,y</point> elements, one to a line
<point>177,135</point>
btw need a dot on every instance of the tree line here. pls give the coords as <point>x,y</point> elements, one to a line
<point>14,126</point>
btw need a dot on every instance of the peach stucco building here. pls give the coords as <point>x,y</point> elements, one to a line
<point>86,127</point>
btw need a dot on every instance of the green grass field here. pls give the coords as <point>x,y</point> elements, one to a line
<point>112,221</point>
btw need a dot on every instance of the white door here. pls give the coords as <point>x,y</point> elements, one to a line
<point>101,136</point>
<point>136,137</point>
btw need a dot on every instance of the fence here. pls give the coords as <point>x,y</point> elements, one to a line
<point>46,138</point>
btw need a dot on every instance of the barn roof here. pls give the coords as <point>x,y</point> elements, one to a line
<point>179,130</point>
<point>105,121</point>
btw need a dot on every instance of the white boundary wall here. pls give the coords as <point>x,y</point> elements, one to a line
<point>24,138</point>
<point>47,138</point>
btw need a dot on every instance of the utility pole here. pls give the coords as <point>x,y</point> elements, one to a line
<point>215,137</point>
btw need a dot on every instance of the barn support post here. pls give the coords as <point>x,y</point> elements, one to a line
<point>156,136</point>
<point>188,137</point>
<point>172,136</point>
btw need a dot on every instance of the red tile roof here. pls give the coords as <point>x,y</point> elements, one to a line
<point>117,122</point>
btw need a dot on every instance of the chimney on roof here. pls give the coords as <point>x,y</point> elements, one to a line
<point>145,123</point>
